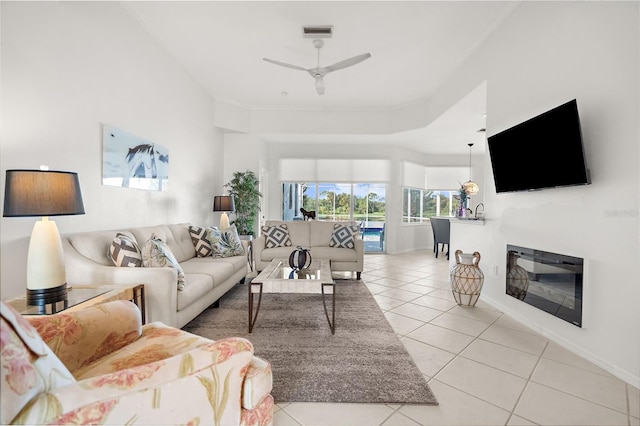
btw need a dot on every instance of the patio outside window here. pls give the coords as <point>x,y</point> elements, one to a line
<point>361,202</point>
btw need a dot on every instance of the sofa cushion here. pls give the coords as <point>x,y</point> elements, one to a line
<point>334,254</point>
<point>79,337</point>
<point>278,253</point>
<point>156,253</point>
<point>199,286</point>
<point>238,263</point>
<point>143,234</point>
<point>94,245</point>
<point>344,236</point>
<point>320,233</point>
<point>124,251</point>
<point>276,236</point>
<point>180,242</point>
<point>175,236</point>
<point>225,242</point>
<point>200,242</point>
<point>299,231</point>
<point>158,342</point>
<point>217,269</point>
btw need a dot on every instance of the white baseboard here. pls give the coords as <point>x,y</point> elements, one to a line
<point>620,373</point>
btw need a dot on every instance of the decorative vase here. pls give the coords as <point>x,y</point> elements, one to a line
<point>517,277</point>
<point>462,211</point>
<point>300,258</point>
<point>466,278</point>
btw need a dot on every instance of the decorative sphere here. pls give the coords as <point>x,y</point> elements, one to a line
<point>300,258</point>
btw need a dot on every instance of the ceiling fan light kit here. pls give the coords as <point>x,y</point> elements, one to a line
<point>318,73</point>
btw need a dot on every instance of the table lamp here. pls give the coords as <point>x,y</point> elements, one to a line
<point>224,204</point>
<point>43,193</point>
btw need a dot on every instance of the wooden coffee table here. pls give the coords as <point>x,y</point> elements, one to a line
<point>278,277</point>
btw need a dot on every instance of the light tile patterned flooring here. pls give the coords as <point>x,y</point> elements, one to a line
<point>484,367</point>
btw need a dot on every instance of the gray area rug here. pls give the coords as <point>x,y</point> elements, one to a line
<point>364,362</point>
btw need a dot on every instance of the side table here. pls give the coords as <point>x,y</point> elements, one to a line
<point>84,296</point>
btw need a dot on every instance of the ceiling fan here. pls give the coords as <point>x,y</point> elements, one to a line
<point>318,73</point>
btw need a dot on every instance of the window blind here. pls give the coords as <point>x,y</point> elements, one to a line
<point>433,177</point>
<point>334,170</point>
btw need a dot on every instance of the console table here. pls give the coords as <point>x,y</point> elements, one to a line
<point>83,296</point>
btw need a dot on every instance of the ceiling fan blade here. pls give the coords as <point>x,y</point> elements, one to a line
<point>283,64</point>
<point>320,85</point>
<point>346,63</point>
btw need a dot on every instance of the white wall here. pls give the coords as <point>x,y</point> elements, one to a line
<point>545,54</point>
<point>242,152</point>
<point>68,67</point>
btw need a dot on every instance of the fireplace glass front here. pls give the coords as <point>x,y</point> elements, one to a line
<point>549,281</point>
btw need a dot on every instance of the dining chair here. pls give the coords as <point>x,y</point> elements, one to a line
<point>441,230</point>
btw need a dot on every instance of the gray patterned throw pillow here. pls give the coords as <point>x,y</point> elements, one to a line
<point>344,236</point>
<point>200,242</point>
<point>276,236</point>
<point>124,251</point>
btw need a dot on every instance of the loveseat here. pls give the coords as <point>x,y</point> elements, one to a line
<point>338,242</point>
<point>206,279</point>
<point>100,366</point>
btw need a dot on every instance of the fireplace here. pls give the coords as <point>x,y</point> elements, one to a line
<point>549,281</point>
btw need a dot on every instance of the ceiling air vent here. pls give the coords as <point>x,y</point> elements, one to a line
<point>317,31</point>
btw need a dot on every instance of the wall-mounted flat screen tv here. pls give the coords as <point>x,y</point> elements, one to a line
<point>545,151</point>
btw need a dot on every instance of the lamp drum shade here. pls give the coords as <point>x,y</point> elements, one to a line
<point>42,193</point>
<point>223,203</point>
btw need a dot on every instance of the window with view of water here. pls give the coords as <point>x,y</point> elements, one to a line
<point>418,205</point>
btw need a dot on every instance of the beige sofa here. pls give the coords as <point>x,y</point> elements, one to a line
<point>207,279</point>
<point>314,235</point>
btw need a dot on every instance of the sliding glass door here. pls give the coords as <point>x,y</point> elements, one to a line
<point>360,202</point>
<point>334,201</point>
<point>369,209</point>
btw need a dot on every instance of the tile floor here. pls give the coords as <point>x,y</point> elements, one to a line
<point>484,367</point>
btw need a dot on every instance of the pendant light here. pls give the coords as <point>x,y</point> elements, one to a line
<point>470,187</point>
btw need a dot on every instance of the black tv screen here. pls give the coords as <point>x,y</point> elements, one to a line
<point>543,152</point>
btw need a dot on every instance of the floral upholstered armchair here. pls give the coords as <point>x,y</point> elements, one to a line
<point>100,366</point>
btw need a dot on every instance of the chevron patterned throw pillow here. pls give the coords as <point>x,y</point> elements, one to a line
<point>200,241</point>
<point>124,251</point>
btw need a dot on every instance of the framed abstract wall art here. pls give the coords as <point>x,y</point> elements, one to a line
<point>129,161</point>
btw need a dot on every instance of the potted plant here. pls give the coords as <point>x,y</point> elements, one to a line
<point>244,188</point>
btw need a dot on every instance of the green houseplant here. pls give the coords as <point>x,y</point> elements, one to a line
<point>244,188</point>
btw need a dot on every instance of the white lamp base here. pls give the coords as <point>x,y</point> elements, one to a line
<point>224,221</point>
<point>46,277</point>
